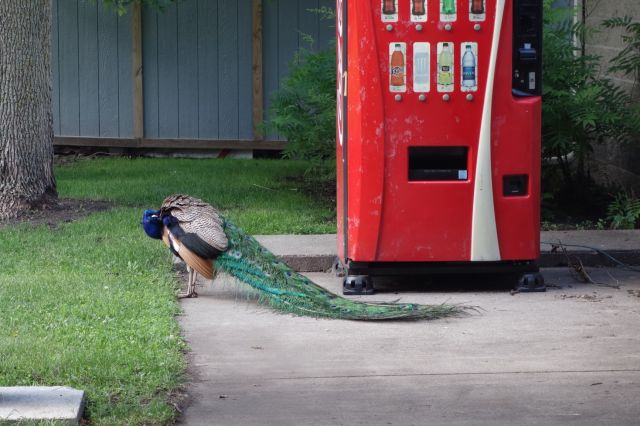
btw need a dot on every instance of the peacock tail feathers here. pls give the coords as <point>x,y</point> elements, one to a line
<point>286,290</point>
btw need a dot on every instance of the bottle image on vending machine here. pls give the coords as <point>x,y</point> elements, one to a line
<point>397,68</point>
<point>389,7</point>
<point>445,67</point>
<point>477,7</point>
<point>421,67</point>
<point>477,11</point>
<point>389,11</point>
<point>447,10</point>
<point>469,68</point>
<point>418,10</point>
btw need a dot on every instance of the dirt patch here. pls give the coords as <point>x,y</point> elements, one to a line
<point>635,293</point>
<point>65,210</point>
<point>593,297</point>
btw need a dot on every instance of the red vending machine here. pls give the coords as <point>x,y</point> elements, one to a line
<point>438,138</point>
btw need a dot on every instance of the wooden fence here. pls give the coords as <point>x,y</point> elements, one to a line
<point>198,75</point>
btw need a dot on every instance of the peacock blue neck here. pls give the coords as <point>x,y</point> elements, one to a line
<point>152,224</point>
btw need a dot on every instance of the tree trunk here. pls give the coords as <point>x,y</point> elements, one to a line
<point>26,128</point>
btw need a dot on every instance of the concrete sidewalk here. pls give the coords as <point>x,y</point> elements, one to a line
<point>570,355</point>
<point>567,356</point>
<point>316,253</point>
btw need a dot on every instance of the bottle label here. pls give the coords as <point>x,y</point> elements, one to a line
<point>469,73</point>
<point>396,72</point>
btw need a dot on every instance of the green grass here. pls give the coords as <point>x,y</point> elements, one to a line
<point>91,304</point>
<point>261,196</point>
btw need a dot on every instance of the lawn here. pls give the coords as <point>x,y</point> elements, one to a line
<point>261,196</point>
<point>91,304</point>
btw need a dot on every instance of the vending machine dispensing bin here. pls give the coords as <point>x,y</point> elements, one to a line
<point>438,138</point>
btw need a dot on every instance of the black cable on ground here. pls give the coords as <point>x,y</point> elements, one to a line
<point>597,250</point>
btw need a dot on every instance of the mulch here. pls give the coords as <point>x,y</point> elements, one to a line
<point>64,211</point>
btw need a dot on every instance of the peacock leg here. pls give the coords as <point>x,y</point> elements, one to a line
<point>191,284</point>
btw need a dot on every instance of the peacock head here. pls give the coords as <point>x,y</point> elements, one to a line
<point>152,223</point>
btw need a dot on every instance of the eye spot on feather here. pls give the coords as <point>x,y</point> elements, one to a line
<point>236,254</point>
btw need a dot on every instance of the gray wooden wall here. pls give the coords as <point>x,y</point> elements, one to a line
<point>196,61</point>
<point>91,62</point>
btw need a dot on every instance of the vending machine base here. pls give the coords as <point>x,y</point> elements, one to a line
<point>358,276</point>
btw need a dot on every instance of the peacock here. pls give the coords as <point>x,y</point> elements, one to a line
<point>206,241</point>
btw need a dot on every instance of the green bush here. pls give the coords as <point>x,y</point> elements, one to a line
<point>304,109</point>
<point>624,212</point>
<point>581,107</point>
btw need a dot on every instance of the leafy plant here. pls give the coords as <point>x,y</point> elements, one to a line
<point>624,212</point>
<point>580,105</point>
<point>627,60</point>
<point>304,111</point>
<point>304,108</point>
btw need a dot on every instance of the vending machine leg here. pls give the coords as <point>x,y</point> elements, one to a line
<point>531,282</point>
<point>357,284</point>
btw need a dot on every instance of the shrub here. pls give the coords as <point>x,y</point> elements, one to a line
<point>624,212</point>
<point>304,109</point>
<point>580,105</point>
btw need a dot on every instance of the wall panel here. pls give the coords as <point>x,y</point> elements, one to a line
<point>197,65</point>
<point>91,62</point>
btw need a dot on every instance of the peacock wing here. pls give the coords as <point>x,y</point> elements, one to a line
<point>201,265</point>
<point>201,227</point>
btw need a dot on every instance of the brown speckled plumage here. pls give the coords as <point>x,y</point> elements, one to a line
<point>197,217</point>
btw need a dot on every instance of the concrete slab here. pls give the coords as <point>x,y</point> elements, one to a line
<point>570,355</point>
<point>303,253</point>
<point>41,403</point>
<point>316,253</point>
